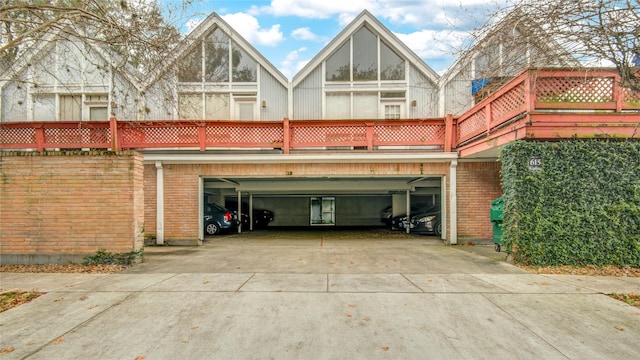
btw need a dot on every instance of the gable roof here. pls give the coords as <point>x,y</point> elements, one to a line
<point>211,22</point>
<point>64,32</point>
<point>365,17</point>
<point>514,20</point>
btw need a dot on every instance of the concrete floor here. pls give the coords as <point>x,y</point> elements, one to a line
<point>321,295</point>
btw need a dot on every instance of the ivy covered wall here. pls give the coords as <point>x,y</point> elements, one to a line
<point>572,202</point>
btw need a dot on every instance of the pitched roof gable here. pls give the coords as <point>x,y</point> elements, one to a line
<point>365,17</point>
<point>514,20</point>
<point>64,33</point>
<point>210,23</point>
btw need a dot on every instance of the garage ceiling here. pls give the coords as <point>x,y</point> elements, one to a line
<point>299,186</point>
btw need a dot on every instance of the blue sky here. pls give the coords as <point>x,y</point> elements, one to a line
<point>289,33</point>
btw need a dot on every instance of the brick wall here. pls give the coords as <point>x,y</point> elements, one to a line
<point>61,206</point>
<point>181,186</point>
<point>478,184</point>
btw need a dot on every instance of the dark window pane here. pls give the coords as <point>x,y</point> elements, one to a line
<point>365,58</point>
<point>337,66</point>
<point>216,47</point>
<point>244,67</point>
<point>190,67</point>
<point>392,65</point>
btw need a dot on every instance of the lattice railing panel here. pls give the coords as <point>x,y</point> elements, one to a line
<point>574,89</point>
<point>411,134</point>
<point>17,136</point>
<point>632,97</point>
<point>244,135</point>
<point>477,121</point>
<point>329,134</point>
<point>509,102</point>
<point>76,136</point>
<point>178,135</point>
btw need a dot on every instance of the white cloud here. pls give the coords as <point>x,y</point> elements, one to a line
<point>432,44</point>
<point>314,9</point>
<point>192,24</point>
<point>304,33</point>
<point>249,28</point>
<point>292,63</point>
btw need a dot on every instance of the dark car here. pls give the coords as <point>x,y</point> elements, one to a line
<point>427,223</point>
<point>218,218</point>
<point>424,220</point>
<point>387,215</point>
<point>261,217</point>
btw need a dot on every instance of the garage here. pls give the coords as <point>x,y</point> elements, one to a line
<point>318,202</point>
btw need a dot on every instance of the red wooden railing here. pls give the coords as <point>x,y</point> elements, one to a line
<point>533,91</point>
<point>548,90</point>
<point>286,135</point>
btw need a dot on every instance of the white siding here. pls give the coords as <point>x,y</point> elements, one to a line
<point>275,96</point>
<point>14,106</point>
<point>307,97</point>
<point>425,94</point>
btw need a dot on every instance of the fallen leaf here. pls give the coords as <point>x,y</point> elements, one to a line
<point>384,348</point>
<point>7,350</point>
<point>352,305</point>
<point>544,283</point>
<point>205,281</point>
<point>185,341</point>
<point>348,315</point>
<point>58,299</point>
<point>367,319</point>
<point>58,340</point>
<point>84,297</point>
<point>619,328</point>
<point>194,327</point>
<point>140,357</point>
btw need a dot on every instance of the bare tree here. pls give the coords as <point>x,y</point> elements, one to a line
<point>596,32</point>
<point>135,29</point>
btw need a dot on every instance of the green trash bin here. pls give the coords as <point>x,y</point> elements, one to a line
<point>496,217</point>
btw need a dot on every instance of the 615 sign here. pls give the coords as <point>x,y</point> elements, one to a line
<point>535,163</point>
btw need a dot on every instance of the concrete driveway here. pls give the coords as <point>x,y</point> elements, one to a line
<point>322,296</point>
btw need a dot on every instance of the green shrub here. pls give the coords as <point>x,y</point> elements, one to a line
<point>103,257</point>
<point>582,207</point>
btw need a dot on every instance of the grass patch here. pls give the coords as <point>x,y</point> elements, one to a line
<point>632,299</point>
<point>13,298</point>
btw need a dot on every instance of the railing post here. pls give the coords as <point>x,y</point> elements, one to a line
<point>618,93</point>
<point>202,136</point>
<point>448,132</point>
<point>487,116</point>
<point>115,138</point>
<point>40,137</point>
<point>286,133</point>
<point>529,91</point>
<point>369,135</point>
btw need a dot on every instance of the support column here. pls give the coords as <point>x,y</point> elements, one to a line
<point>240,211</point>
<point>453,202</point>
<point>408,228</point>
<point>159,204</point>
<point>251,212</point>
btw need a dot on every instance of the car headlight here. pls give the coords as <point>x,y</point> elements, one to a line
<point>426,219</point>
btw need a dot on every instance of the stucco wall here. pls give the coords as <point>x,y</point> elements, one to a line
<point>57,207</point>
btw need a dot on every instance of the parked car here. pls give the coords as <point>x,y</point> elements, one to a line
<point>427,223</point>
<point>261,217</point>
<point>387,215</point>
<point>218,219</point>
<point>424,220</point>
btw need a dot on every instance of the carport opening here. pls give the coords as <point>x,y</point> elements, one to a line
<point>322,203</point>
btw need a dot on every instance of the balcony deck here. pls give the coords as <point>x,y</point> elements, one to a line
<point>537,104</point>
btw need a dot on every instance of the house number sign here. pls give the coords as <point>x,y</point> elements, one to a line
<point>535,163</point>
